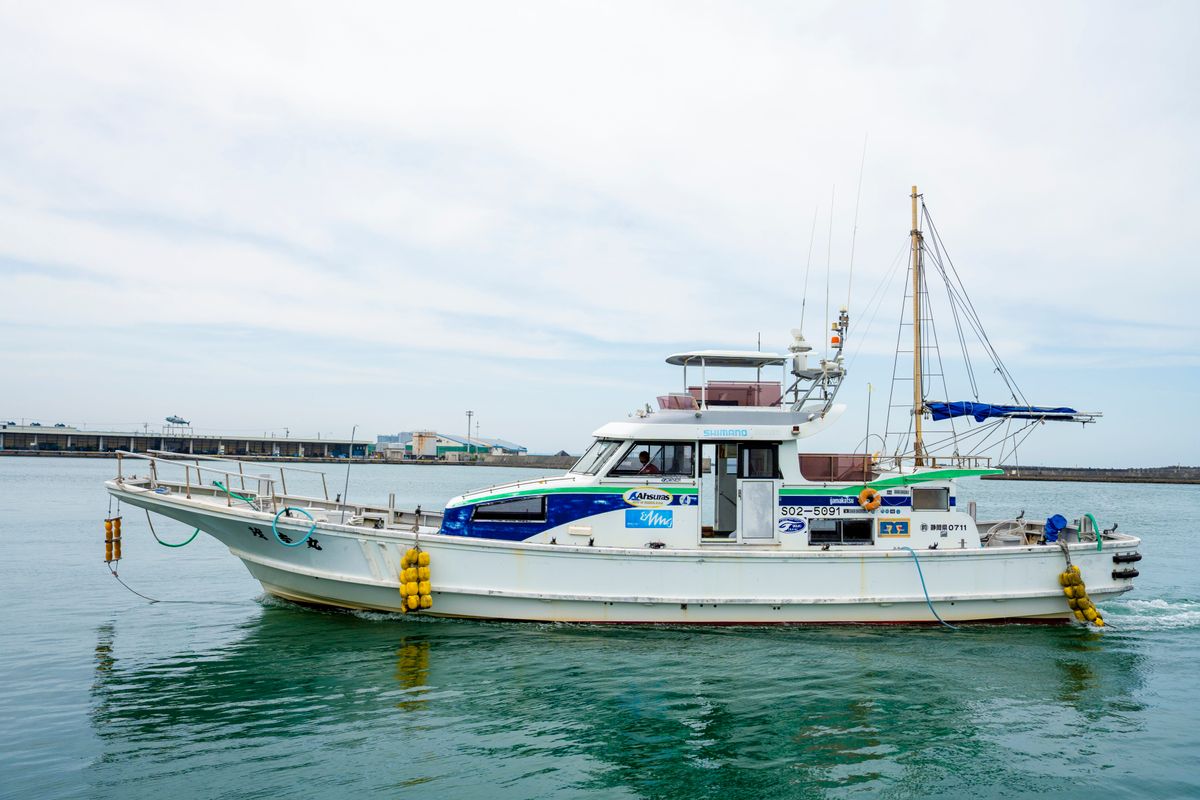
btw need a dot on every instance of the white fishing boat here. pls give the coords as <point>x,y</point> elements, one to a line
<point>719,507</point>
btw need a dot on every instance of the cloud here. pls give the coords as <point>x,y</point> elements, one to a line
<point>530,188</point>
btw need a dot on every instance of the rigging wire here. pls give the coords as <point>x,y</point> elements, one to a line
<point>905,305</point>
<point>937,349</point>
<point>958,326</point>
<point>874,304</point>
<point>974,319</point>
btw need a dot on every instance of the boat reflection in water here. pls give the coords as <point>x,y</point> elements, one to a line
<point>338,703</point>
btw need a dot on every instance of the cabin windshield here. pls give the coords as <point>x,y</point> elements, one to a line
<point>595,457</point>
<point>657,458</point>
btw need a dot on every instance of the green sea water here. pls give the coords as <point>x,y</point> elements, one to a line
<point>222,692</point>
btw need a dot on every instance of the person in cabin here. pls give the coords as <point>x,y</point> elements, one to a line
<point>647,467</point>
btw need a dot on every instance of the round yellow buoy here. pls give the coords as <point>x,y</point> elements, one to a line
<point>403,589</point>
<point>1098,622</point>
<point>1069,591</point>
<point>1064,579</point>
<point>423,573</point>
<point>1072,604</point>
<point>412,589</point>
<point>423,559</point>
<point>413,601</point>
<point>1090,613</point>
<point>1079,615</point>
<point>426,601</point>
<point>423,587</point>
<point>404,561</point>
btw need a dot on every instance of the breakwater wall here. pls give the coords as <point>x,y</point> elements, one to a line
<point>1177,474</point>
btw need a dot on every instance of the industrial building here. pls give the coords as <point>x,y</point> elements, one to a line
<point>429,445</point>
<point>66,439</point>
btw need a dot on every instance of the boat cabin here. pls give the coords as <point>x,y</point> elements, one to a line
<point>724,464</point>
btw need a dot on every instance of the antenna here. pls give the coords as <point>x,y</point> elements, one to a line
<point>828,266</point>
<point>349,461</point>
<point>854,231</point>
<point>812,238</point>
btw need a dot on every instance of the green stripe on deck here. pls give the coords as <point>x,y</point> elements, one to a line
<point>615,490</point>
<point>899,480</point>
<point>887,483</point>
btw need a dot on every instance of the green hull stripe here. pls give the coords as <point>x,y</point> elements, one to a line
<point>887,483</point>
<point>614,490</point>
<point>900,480</point>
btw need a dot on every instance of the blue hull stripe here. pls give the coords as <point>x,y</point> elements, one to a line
<point>561,509</point>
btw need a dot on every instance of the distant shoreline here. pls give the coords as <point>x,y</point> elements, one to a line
<point>526,462</point>
<point>1163,475</point>
<point>1166,475</point>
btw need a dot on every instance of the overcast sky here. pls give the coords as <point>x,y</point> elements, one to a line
<point>311,216</point>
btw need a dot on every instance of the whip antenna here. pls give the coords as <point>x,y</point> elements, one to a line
<point>812,237</point>
<point>854,230</point>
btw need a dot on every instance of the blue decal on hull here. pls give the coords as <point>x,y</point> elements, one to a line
<point>648,518</point>
<point>561,509</point>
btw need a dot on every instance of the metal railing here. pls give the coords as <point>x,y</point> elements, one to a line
<point>261,498</point>
<point>241,473</point>
<point>903,462</point>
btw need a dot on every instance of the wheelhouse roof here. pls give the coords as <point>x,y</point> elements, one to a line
<point>727,358</point>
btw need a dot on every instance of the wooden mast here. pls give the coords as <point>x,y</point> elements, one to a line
<point>918,394</point>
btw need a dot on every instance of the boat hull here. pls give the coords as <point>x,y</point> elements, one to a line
<point>356,568</point>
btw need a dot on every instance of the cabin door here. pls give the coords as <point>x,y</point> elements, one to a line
<point>718,491</point>
<point>758,492</point>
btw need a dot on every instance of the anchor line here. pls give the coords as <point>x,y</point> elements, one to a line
<point>113,572</point>
<point>928,602</point>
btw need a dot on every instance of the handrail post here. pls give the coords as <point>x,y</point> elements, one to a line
<point>154,474</point>
<point>120,477</point>
<point>324,487</point>
<point>283,479</point>
<point>228,494</point>
<point>187,479</point>
<point>242,476</point>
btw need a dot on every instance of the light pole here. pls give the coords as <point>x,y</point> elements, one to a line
<point>469,415</point>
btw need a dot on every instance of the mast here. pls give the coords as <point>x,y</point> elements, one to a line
<point>918,394</point>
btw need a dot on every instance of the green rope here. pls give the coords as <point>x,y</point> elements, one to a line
<point>241,497</point>
<point>154,533</point>
<point>1096,528</point>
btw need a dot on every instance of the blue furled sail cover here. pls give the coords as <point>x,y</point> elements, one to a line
<point>983,411</point>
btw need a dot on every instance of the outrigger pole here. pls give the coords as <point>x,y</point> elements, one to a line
<point>918,394</point>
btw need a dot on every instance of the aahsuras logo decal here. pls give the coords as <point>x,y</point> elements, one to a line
<point>647,497</point>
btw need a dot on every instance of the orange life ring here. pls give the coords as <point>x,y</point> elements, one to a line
<point>870,499</point>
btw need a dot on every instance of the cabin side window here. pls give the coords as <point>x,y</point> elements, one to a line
<point>931,499</point>
<point>516,509</point>
<point>658,458</point>
<point>759,461</point>
<point>840,531</point>
<point>595,457</point>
